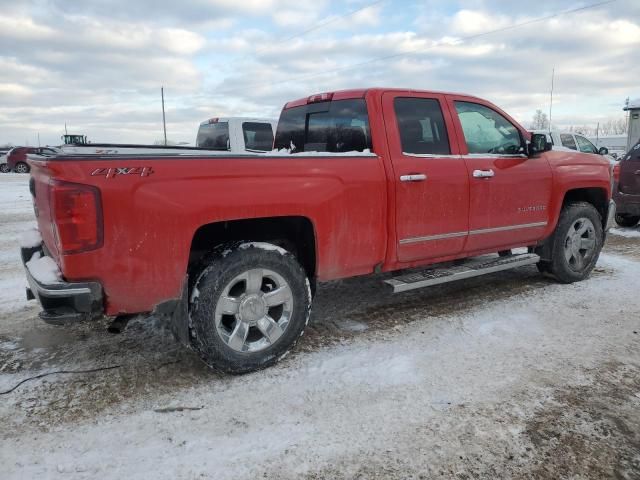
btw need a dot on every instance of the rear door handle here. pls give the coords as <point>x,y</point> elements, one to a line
<point>483,173</point>
<point>414,177</point>
<point>637,172</point>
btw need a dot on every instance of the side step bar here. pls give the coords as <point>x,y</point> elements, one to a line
<point>472,268</point>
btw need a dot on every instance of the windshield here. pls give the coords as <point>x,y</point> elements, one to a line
<point>339,126</point>
<point>214,136</point>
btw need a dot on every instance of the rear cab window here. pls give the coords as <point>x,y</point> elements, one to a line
<point>213,135</point>
<point>336,126</point>
<point>488,132</point>
<point>257,136</point>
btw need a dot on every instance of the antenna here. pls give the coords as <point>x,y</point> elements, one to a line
<point>164,123</point>
<point>65,129</point>
<point>553,71</point>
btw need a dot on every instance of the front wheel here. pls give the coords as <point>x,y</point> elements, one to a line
<point>577,242</point>
<point>248,307</point>
<point>4,168</point>
<point>21,167</point>
<point>627,220</point>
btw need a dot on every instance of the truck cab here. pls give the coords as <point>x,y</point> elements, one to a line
<point>237,134</point>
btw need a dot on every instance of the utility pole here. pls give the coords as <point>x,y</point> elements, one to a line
<point>38,139</point>
<point>164,123</point>
<point>553,71</point>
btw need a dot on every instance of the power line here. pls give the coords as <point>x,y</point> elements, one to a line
<point>322,24</point>
<point>430,47</point>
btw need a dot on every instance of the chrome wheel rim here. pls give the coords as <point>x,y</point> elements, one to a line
<point>580,244</point>
<point>21,168</point>
<point>254,310</point>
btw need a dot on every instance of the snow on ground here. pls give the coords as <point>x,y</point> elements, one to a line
<point>506,376</point>
<point>16,217</point>
<point>626,232</point>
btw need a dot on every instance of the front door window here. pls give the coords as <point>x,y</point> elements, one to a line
<point>486,131</point>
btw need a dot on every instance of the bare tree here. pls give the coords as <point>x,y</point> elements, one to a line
<point>540,121</point>
<point>612,126</point>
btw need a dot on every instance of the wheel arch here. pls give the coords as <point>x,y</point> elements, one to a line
<point>295,234</point>
<point>596,196</point>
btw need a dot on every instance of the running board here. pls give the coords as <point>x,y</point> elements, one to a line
<point>472,268</point>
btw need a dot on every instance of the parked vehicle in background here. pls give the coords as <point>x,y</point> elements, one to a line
<point>74,139</point>
<point>616,144</point>
<point>237,134</point>
<point>4,167</point>
<point>626,192</point>
<point>573,141</point>
<point>17,157</point>
<point>216,136</point>
<point>229,248</point>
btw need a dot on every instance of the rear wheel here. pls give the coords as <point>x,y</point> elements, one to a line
<point>21,167</point>
<point>248,307</point>
<point>627,220</point>
<point>4,168</point>
<point>577,243</point>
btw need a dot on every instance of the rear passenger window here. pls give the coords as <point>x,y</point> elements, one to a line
<point>421,126</point>
<point>568,141</point>
<point>257,136</point>
<point>214,135</point>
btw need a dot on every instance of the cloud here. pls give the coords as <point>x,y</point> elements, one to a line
<point>99,64</point>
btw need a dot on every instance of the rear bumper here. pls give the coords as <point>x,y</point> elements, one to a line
<point>611,216</point>
<point>63,302</point>
<point>627,204</point>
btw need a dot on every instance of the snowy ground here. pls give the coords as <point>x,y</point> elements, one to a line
<point>507,376</point>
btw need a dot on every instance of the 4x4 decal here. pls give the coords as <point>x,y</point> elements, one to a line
<point>115,171</point>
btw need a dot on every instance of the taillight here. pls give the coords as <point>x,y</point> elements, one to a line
<point>77,216</point>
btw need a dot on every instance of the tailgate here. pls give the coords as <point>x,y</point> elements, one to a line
<point>39,188</point>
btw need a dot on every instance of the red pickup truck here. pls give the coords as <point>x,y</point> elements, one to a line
<point>230,248</point>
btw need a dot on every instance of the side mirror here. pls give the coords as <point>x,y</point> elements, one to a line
<point>539,144</point>
<point>603,151</point>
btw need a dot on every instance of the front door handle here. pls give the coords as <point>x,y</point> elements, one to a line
<point>637,172</point>
<point>483,173</point>
<point>414,177</point>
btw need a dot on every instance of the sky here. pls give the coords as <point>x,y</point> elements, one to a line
<point>98,65</point>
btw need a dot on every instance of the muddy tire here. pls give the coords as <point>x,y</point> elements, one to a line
<point>577,243</point>
<point>544,267</point>
<point>21,167</point>
<point>627,220</point>
<point>248,306</point>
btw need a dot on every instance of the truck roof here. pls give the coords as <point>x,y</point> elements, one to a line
<point>246,119</point>
<point>360,93</point>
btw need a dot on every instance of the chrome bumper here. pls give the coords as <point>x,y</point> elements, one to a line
<point>63,302</point>
<point>611,216</point>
